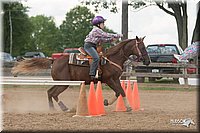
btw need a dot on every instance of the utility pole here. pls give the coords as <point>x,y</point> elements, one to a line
<point>124,28</point>
<point>125,19</point>
<point>11,30</point>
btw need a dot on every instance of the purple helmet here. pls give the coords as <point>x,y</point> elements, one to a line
<point>97,20</point>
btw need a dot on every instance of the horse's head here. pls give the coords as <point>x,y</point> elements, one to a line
<point>141,52</point>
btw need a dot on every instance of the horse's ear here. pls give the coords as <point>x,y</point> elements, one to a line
<point>137,38</point>
<point>143,38</point>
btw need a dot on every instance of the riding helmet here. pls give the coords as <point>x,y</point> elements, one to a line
<point>97,20</point>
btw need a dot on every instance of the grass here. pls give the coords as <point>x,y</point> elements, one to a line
<point>170,89</point>
<point>105,87</point>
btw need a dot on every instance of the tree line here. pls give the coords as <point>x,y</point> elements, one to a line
<point>40,33</point>
<point>22,33</point>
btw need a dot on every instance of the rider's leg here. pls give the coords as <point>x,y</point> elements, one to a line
<point>92,52</point>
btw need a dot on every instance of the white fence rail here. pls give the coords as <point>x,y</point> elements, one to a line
<point>36,81</point>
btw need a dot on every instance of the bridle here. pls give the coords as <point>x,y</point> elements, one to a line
<point>128,58</point>
<point>139,52</point>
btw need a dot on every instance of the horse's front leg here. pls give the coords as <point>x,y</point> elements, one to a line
<point>116,86</point>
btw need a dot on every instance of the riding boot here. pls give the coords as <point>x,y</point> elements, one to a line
<point>93,78</point>
<point>128,108</point>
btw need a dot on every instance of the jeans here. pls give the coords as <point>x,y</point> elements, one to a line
<point>91,50</point>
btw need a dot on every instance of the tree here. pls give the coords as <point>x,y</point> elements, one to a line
<point>111,4</point>
<point>179,11</point>
<point>196,32</point>
<point>45,34</point>
<point>75,27</point>
<point>17,28</point>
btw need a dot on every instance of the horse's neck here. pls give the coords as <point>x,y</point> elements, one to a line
<point>118,59</point>
<point>122,54</point>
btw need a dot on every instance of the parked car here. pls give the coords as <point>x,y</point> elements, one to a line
<point>7,60</point>
<point>160,53</point>
<point>28,55</point>
<point>67,51</point>
<point>6,57</point>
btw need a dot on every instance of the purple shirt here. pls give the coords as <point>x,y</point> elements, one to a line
<point>97,36</point>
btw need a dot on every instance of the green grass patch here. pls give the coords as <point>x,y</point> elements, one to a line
<point>167,88</point>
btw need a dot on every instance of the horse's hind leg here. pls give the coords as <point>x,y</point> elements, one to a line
<point>49,93</point>
<point>54,92</point>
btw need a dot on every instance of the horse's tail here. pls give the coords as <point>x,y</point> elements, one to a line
<point>31,66</point>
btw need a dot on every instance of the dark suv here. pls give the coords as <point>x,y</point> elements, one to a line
<point>160,53</point>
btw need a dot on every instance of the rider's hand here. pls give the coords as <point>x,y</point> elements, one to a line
<point>121,35</point>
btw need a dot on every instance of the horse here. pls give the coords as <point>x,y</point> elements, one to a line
<point>61,70</point>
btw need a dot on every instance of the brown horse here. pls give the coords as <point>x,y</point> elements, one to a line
<point>111,71</point>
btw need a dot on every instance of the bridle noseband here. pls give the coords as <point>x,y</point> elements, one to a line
<point>139,52</point>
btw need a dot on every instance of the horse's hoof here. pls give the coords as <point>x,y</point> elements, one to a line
<point>63,107</point>
<point>105,102</point>
<point>128,109</point>
<point>72,110</point>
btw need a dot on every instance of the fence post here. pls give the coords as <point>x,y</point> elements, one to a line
<point>185,75</point>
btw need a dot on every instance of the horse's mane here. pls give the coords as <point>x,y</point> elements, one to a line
<point>117,48</point>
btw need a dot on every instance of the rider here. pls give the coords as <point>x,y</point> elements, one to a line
<point>96,36</point>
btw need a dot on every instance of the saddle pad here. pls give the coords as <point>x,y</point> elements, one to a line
<point>79,59</point>
<point>71,58</point>
<point>74,60</point>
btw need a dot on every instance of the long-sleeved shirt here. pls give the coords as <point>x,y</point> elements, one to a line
<point>97,36</point>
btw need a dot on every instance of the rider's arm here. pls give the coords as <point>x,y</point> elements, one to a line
<point>106,40</point>
<point>101,34</point>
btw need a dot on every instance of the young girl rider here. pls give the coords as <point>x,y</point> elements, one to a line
<point>96,36</point>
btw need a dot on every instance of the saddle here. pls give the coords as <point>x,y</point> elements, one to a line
<point>83,57</point>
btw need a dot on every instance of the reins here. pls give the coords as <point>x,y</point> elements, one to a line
<point>127,58</point>
<point>113,63</point>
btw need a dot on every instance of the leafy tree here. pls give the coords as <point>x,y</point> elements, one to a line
<point>196,32</point>
<point>75,27</point>
<point>179,11</point>
<point>17,28</point>
<point>44,37</point>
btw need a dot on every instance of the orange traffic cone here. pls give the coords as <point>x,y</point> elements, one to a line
<point>120,103</point>
<point>82,107</point>
<point>129,92</point>
<point>99,97</point>
<point>92,102</point>
<point>135,98</point>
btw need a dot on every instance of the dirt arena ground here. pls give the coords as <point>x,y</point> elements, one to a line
<point>26,109</point>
